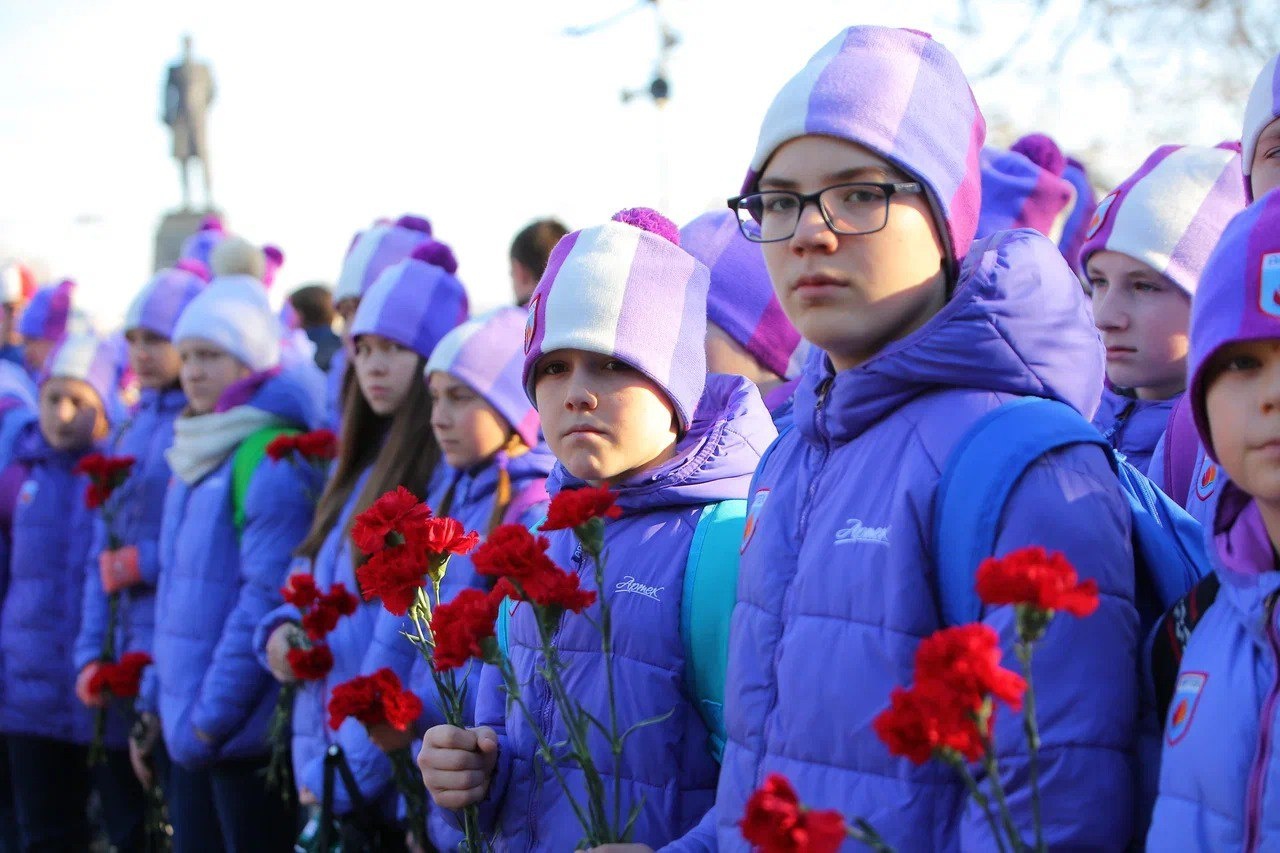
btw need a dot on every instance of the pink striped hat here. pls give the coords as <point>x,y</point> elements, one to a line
<point>902,95</point>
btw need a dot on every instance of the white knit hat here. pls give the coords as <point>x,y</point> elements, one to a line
<point>1262,109</point>
<point>233,313</point>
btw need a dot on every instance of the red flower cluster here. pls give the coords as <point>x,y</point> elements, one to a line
<point>311,664</point>
<point>320,614</point>
<point>526,573</point>
<point>775,822</point>
<point>394,512</point>
<point>121,679</point>
<point>374,700</point>
<point>300,590</point>
<point>948,708</point>
<point>575,507</point>
<point>318,444</point>
<point>1036,578</point>
<point>106,474</point>
<point>460,627</point>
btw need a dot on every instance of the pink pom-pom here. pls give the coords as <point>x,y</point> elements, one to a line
<point>212,222</point>
<point>67,285</point>
<point>414,223</point>
<point>648,219</point>
<point>273,254</point>
<point>437,254</point>
<point>1042,151</point>
<point>194,267</point>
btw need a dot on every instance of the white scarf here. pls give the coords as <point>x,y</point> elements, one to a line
<point>202,442</point>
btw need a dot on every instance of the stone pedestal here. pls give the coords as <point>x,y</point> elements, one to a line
<point>175,227</point>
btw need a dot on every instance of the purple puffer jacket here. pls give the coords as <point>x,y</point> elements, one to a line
<point>138,507</point>
<point>668,764</point>
<point>41,614</point>
<point>837,586</point>
<point>1133,427</point>
<point>1219,772</point>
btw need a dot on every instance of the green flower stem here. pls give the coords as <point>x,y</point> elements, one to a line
<point>997,787</point>
<point>978,797</point>
<point>405,772</point>
<point>1024,649</point>
<point>606,647</point>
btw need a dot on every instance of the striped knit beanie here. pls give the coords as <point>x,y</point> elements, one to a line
<point>157,307</point>
<point>414,302</point>
<point>1020,193</point>
<point>374,250</point>
<point>46,315</point>
<point>88,359</point>
<point>1262,109</point>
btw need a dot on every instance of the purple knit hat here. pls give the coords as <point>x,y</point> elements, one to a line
<point>902,95</point>
<point>626,289</point>
<point>741,299</point>
<point>88,359</point>
<point>273,259</point>
<point>45,317</point>
<point>1262,109</point>
<point>486,353</point>
<point>1171,212</point>
<point>374,250</point>
<point>1239,296</point>
<point>414,302</point>
<point>157,307</point>
<point>1019,193</point>
<point>200,245</point>
<point>1077,225</point>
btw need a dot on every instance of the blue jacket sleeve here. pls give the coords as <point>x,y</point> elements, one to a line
<point>700,839</point>
<point>278,510</point>
<point>93,608</point>
<point>1085,671</point>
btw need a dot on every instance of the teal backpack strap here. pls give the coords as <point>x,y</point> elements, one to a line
<point>248,457</point>
<point>977,481</point>
<point>706,609</point>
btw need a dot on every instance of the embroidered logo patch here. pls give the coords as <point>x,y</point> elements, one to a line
<point>1207,482</point>
<point>856,531</point>
<point>27,493</point>
<point>1269,289</point>
<point>531,324</point>
<point>631,585</point>
<point>1182,710</point>
<point>1099,216</point>
<point>753,518</point>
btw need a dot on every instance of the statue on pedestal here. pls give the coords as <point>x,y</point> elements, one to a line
<point>188,93</point>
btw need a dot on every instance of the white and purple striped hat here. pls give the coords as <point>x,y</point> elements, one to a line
<point>415,302</point>
<point>1262,109</point>
<point>1171,212</point>
<point>486,353</point>
<point>157,307</point>
<point>902,95</point>
<point>626,289</point>
<point>88,359</point>
<point>374,250</point>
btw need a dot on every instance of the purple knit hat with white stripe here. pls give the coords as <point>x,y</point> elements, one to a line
<point>157,307</point>
<point>200,245</point>
<point>1171,212</point>
<point>902,95</point>
<point>415,302</point>
<point>45,317</point>
<point>1239,296</point>
<point>88,359</point>
<point>1020,193</point>
<point>626,289</point>
<point>486,353</point>
<point>1262,109</point>
<point>374,250</point>
<point>741,299</point>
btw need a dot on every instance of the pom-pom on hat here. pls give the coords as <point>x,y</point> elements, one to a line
<point>17,283</point>
<point>902,95</point>
<point>626,289</point>
<point>157,307</point>
<point>237,256</point>
<point>272,260</point>
<point>46,315</point>
<point>374,250</point>
<point>486,353</point>
<point>88,359</point>
<point>415,302</point>
<point>741,299</point>
<point>1262,109</point>
<point>1238,298</point>
<point>1171,212</point>
<point>234,314</point>
<point>200,245</point>
<point>1020,193</point>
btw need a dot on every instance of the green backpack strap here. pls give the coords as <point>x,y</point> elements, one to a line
<point>706,609</point>
<point>248,457</point>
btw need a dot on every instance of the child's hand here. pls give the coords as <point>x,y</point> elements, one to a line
<point>457,764</point>
<point>278,645</point>
<point>90,700</point>
<point>118,569</point>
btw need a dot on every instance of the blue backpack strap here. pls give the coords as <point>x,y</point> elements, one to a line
<point>706,609</point>
<point>979,477</point>
<point>502,626</point>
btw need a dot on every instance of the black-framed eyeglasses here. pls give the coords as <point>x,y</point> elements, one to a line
<point>857,208</point>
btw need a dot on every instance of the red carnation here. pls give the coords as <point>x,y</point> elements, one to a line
<point>966,660</point>
<point>282,447</point>
<point>460,627</point>
<point>441,536</point>
<point>317,444</point>
<point>575,507</point>
<point>1034,577</point>
<point>340,599</point>
<point>354,698</point>
<point>555,588</point>
<point>300,590</point>
<point>121,679</point>
<point>395,576</point>
<point>311,664</point>
<point>925,719</point>
<point>775,822</point>
<point>374,700</point>
<point>394,512</point>
<point>511,551</point>
<point>106,474</point>
<point>320,620</point>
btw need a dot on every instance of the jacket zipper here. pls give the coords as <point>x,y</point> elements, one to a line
<point>1253,814</point>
